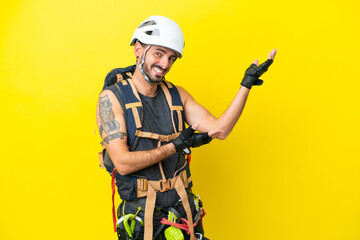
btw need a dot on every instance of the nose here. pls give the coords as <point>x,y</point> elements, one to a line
<point>164,62</point>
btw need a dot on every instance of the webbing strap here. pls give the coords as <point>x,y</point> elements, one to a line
<point>113,198</point>
<point>120,78</point>
<point>180,189</point>
<point>180,121</point>
<point>177,108</point>
<point>134,105</point>
<point>168,84</point>
<point>134,89</point>
<point>136,117</point>
<point>160,165</point>
<point>169,101</point>
<point>160,186</point>
<point>101,159</point>
<point>152,188</point>
<point>162,138</point>
<point>149,212</point>
<point>184,226</point>
<point>134,109</point>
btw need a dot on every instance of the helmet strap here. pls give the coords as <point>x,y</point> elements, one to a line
<point>140,66</point>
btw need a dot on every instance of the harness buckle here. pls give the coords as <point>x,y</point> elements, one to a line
<point>165,185</point>
<point>142,184</point>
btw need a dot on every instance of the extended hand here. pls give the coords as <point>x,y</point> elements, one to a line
<point>188,138</point>
<point>253,73</point>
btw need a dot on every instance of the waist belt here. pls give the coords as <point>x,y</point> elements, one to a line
<point>149,188</point>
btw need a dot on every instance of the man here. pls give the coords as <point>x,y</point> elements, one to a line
<point>140,120</point>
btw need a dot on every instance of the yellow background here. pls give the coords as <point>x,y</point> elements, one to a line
<point>290,168</point>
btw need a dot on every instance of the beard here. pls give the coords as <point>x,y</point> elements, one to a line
<point>153,79</point>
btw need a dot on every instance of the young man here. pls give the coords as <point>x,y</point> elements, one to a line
<point>141,121</point>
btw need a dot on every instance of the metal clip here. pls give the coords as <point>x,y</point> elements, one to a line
<point>198,236</point>
<point>165,185</point>
<point>142,184</point>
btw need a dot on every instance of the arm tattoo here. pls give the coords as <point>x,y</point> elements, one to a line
<point>108,124</point>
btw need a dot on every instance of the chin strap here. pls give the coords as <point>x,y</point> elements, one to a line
<point>140,66</point>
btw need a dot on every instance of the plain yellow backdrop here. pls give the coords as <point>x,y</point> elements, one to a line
<point>290,168</point>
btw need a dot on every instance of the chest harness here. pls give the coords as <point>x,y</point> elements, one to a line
<point>130,186</point>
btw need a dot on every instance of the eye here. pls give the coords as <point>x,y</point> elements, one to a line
<point>158,54</point>
<point>172,59</point>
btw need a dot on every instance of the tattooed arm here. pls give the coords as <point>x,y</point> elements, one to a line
<point>112,128</point>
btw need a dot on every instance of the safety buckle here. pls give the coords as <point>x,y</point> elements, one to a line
<point>198,236</point>
<point>165,185</point>
<point>142,184</point>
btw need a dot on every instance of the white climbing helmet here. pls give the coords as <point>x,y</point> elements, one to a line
<point>160,31</point>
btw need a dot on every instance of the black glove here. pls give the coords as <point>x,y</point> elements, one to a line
<point>253,73</point>
<point>189,139</point>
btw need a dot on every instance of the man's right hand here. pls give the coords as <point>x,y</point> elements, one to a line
<point>188,138</point>
<point>253,73</point>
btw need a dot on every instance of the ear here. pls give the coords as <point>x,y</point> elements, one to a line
<point>138,51</point>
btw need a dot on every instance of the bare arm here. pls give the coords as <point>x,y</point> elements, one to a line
<point>112,128</point>
<point>196,113</point>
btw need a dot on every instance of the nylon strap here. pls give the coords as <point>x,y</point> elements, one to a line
<point>136,117</point>
<point>113,198</point>
<point>160,165</point>
<point>162,138</point>
<point>149,212</point>
<point>180,189</point>
<point>169,100</point>
<point>134,109</point>
<point>142,184</point>
<point>180,121</point>
<point>134,89</point>
<point>177,108</point>
<point>168,84</point>
<point>155,186</point>
<point>134,105</point>
<point>173,108</point>
<point>101,160</point>
<point>119,77</point>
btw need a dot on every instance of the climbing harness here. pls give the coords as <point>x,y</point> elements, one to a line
<point>131,187</point>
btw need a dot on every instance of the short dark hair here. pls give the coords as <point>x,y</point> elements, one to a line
<point>142,44</point>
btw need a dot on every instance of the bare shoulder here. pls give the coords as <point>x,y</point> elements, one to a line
<point>107,99</point>
<point>184,95</point>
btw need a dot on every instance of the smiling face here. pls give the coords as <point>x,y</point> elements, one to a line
<point>158,62</point>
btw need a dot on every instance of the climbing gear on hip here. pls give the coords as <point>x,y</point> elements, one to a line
<point>172,232</point>
<point>134,231</point>
<point>253,73</point>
